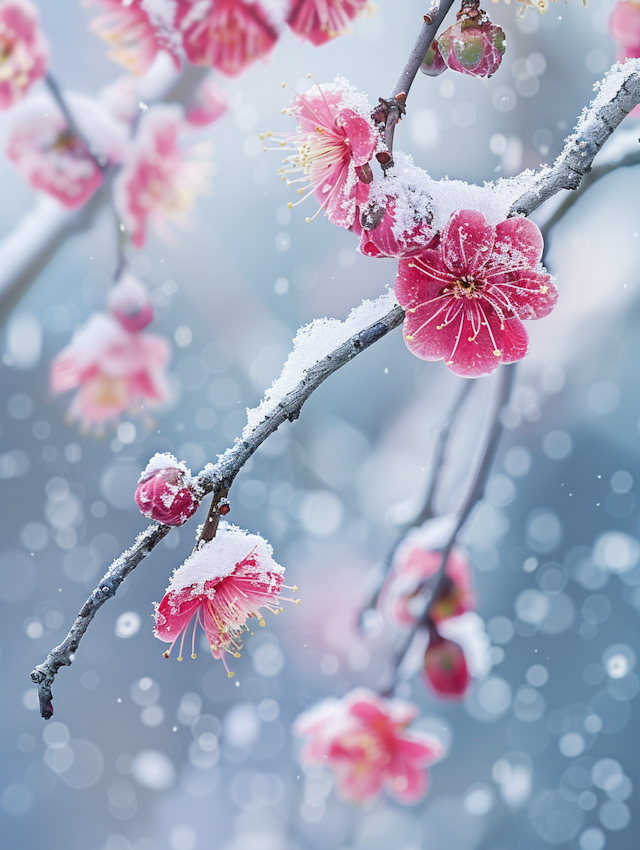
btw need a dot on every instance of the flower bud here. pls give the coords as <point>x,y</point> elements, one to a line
<point>165,491</point>
<point>433,64</point>
<point>473,46</point>
<point>130,303</point>
<point>445,667</point>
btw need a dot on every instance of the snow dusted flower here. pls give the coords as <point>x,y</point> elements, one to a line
<point>364,739</point>
<point>319,21</point>
<point>465,299</point>
<point>473,45</point>
<point>121,99</point>
<point>333,144</point>
<point>157,183</point>
<point>165,491</point>
<point>416,561</point>
<point>445,667</point>
<point>54,160</point>
<point>228,35</point>
<point>223,583</point>
<point>115,370</point>
<point>23,50</point>
<point>209,104</point>
<point>137,30</point>
<point>130,303</point>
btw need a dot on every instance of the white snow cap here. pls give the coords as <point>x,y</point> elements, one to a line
<point>164,460</point>
<point>430,536</point>
<point>219,557</point>
<point>128,290</point>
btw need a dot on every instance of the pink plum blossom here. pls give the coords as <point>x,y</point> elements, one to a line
<point>624,26</point>
<point>334,143</point>
<point>433,64</point>
<point>364,739</point>
<point>224,582</point>
<point>157,184</point>
<point>23,50</point>
<point>55,161</point>
<point>165,491</point>
<point>137,30</point>
<point>228,35</point>
<point>465,299</point>
<point>209,105</point>
<point>319,21</point>
<point>115,370</point>
<point>130,303</point>
<point>382,235</point>
<point>445,667</point>
<point>416,561</point>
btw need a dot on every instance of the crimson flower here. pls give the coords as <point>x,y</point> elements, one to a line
<point>165,491</point>
<point>318,21</point>
<point>465,299</point>
<point>224,582</point>
<point>335,140</point>
<point>364,739</point>
<point>228,35</point>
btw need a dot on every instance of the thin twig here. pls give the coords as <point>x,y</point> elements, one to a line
<point>395,104</point>
<point>72,125</point>
<point>216,478</point>
<point>475,492</point>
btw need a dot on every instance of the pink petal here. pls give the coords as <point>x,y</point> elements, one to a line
<point>515,342</point>
<point>360,133</point>
<point>531,294</point>
<point>467,242</point>
<point>174,614</point>
<point>519,238</point>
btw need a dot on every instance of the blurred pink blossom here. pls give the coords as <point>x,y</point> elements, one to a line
<point>115,370</point>
<point>318,21</point>
<point>130,303</point>
<point>209,105</point>
<point>334,139</point>
<point>55,161</point>
<point>364,739</point>
<point>228,35</point>
<point>137,30</point>
<point>157,184</point>
<point>23,50</point>
<point>465,300</point>
<point>445,667</point>
<point>224,582</point>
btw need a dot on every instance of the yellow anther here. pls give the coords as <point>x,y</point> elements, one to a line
<point>261,136</point>
<point>283,112</point>
<point>236,655</point>
<point>544,289</point>
<point>290,205</point>
<point>179,658</point>
<point>408,336</point>
<point>308,76</point>
<point>230,674</point>
<point>166,654</point>
<point>284,85</point>
<point>262,622</point>
<point>193,655</point>
<point>497,352</point>
<point>269,133</point>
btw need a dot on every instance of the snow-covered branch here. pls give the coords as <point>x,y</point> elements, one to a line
<point>618,94</point>
<point>320,349</point>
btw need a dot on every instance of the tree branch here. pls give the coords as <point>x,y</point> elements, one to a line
<point>216,478</point>
<point>619,93</point>
<point>395,104</point>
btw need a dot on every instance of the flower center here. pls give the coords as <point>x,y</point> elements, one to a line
<point>467,286</point>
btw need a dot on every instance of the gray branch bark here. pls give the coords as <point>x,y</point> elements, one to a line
<point>216,479</point>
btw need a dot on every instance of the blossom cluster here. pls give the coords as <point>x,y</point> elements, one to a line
<point>465,287</point>
<point>227,35</point>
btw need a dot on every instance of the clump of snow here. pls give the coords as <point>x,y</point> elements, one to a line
<point>468,630</point>
<point>352,99</point>
<point>408,183</point>
<point>164,460</point>
<point>608,88</point>
<point>431,536</point>
<point>219,558</point>
<point>313,343</point>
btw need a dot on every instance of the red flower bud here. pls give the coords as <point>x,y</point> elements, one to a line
<point>445,667</point>
<point>165,491</point>
<point>433,64</point>
<point>473,46</point>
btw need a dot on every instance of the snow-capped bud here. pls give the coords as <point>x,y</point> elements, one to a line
<point>165,491</point>
<point>433,64</point>
<point>473,45</point>
<point>130,303</point>
<point>445,667</point>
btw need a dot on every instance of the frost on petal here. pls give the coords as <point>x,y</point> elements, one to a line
<point>465,299</point>
<point>363,738</point>
<point>166,494</point>
<point>114,370</point>
<point>228,35</point>
<point>23,50</point>
<point>224,582</point>
<point>335,137</point>
<point>158,184</point>
<point>318,21</point>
